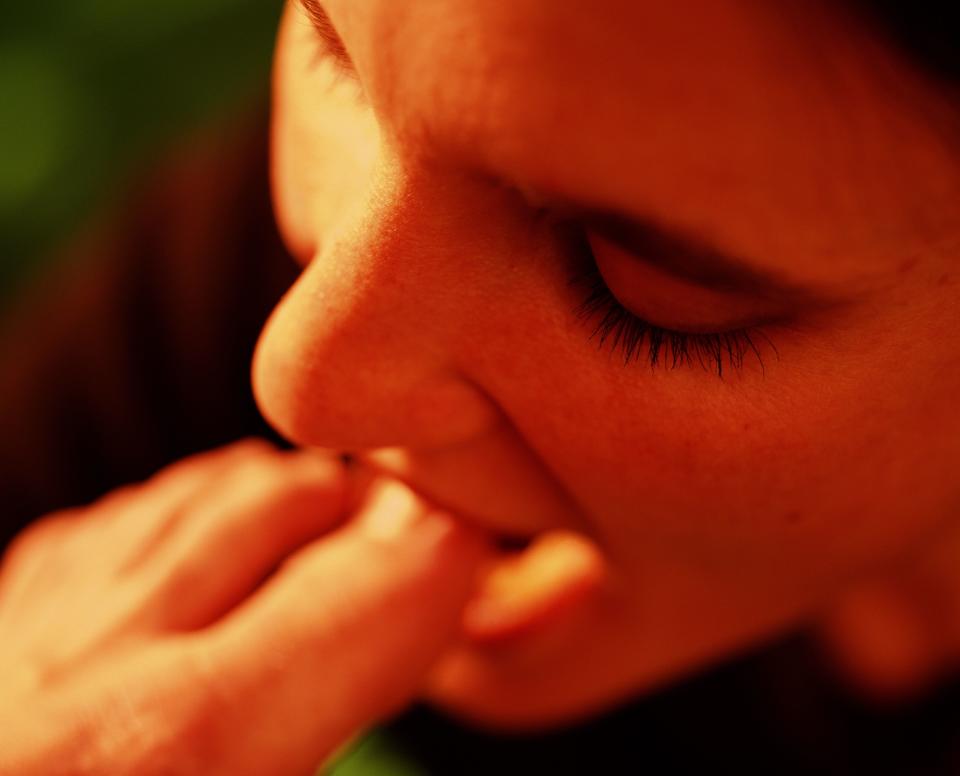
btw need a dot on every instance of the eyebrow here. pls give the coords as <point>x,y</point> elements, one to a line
<point>328,34</point>
<point>690,258</point>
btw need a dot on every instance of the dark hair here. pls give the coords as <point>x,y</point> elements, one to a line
<point>928,31</point>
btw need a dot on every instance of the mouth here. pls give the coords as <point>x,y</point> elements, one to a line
<point>532,582</point>
<point>367,469</point>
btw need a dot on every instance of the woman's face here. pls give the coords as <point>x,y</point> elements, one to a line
<point>768,183</point>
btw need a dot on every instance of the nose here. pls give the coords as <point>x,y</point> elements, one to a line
<point>368,348</point>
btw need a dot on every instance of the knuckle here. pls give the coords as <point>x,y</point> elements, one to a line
<point>42,532</point>
<point>118,499</point>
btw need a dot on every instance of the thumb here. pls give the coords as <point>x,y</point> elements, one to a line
<point>343,634</point>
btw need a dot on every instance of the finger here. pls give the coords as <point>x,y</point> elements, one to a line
<point>141,517</point>
<point>342,636</point>
<point>88,547</point>
<point>121,529</point>
<point>239,529</point>
<point>29,555</point>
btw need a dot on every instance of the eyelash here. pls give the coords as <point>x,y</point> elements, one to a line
<point>636,338</point>
<point>324,55</point>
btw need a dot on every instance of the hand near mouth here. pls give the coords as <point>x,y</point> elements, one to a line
<point>235,614</point>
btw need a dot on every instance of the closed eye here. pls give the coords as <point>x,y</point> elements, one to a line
<point>634,339</point>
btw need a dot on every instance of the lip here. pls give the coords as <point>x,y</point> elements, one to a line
<point>508,541</point>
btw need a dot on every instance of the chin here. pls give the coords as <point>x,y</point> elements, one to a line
<point>481,691</point>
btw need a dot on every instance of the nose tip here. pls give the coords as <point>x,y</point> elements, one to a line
<point>350,368</point>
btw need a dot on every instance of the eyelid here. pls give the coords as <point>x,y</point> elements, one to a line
<point>615,326</point>
<point>687,307</point>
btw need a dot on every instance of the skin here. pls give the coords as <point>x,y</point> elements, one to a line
<point>139,636</point>
<point>433,334</point>
<point>433,331</point>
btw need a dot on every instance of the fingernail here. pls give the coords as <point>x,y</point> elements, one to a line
<point>391,512</point>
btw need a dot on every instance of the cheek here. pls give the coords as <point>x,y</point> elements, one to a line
<point>780,482</point>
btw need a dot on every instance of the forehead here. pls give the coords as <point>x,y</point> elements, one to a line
<point>783,113</point>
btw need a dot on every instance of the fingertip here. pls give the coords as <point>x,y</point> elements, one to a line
<point>394,514</point>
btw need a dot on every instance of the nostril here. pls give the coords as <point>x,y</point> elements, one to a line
<point>513,544</point>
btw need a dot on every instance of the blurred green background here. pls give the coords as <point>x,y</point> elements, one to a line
<point>90,88</point>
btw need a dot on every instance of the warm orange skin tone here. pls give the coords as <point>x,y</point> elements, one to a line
<point>435,316</point>
<point>140,638</point>
<point>433,332</point>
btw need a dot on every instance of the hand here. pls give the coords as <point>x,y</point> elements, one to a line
<point>222,618</point>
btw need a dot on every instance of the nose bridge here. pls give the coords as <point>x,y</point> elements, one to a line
<point>360,353</point>
<point>405,248</point>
